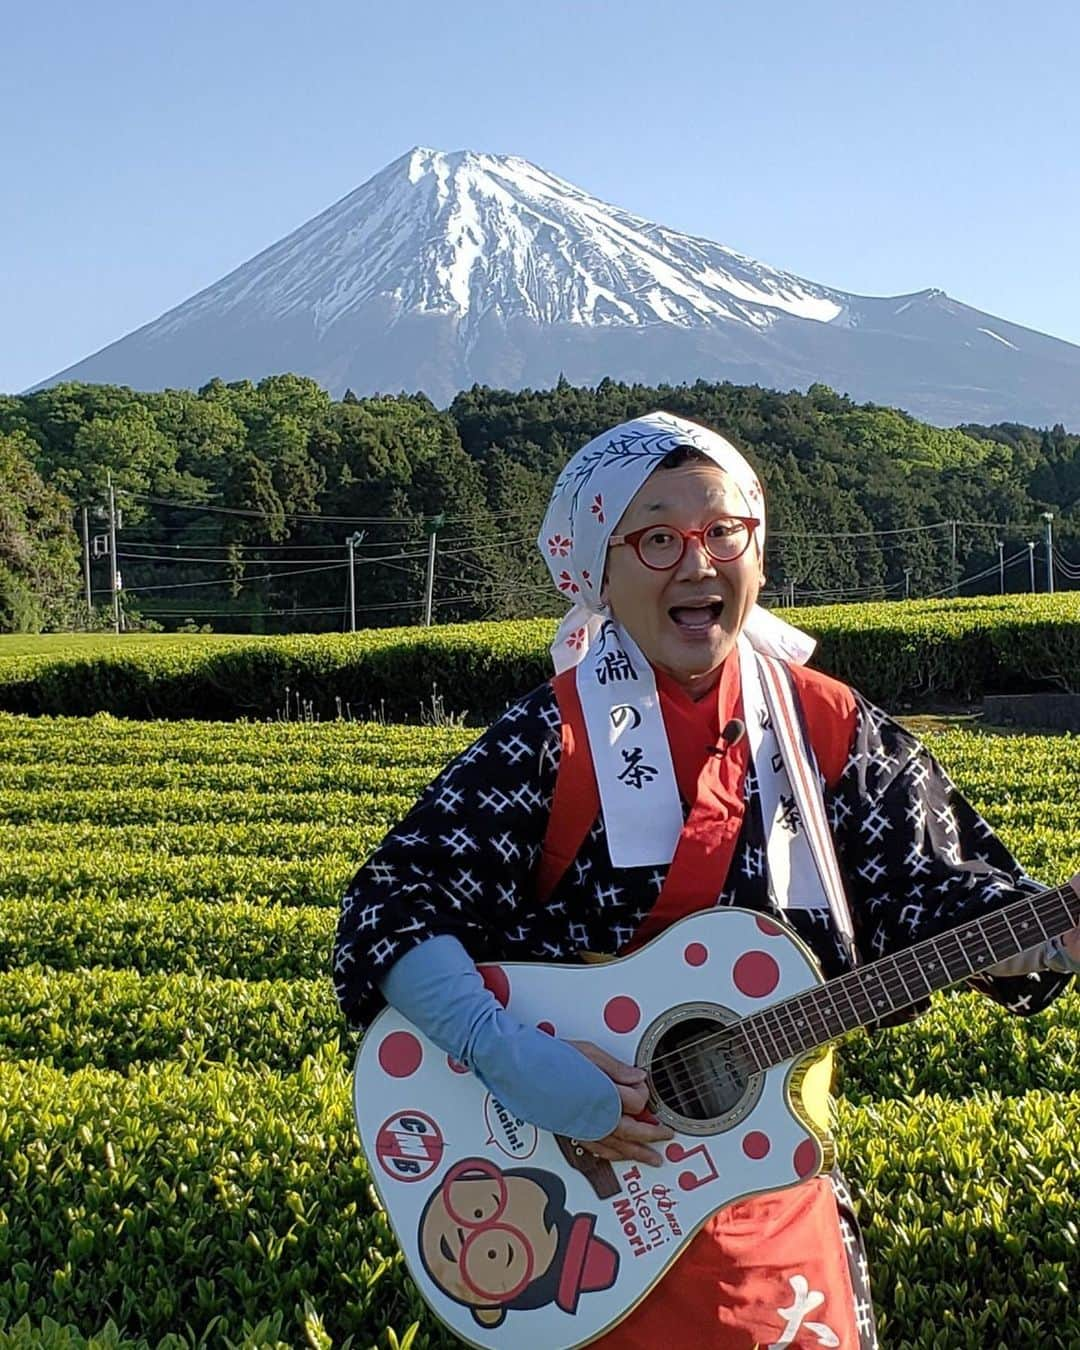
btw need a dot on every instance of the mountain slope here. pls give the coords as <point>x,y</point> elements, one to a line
<point>449,269</point>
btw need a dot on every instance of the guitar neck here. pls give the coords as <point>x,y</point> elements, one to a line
<point>810,1020</point>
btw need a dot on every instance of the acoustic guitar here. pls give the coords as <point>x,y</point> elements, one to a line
<point>517,1237</point>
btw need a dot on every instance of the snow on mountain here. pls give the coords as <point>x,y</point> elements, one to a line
<point>467,235</point>
<point>447,269</point>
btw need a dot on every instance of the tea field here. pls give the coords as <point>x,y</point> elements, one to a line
<point>178,1166</point>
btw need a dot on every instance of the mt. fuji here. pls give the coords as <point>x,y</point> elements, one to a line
<point>446,270</point>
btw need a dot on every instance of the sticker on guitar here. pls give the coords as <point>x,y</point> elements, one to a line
<point>705,1169</point>
<point>510,1134</point>
<point>497,1241</point>
<point>409,1146</point>
<point>647,1214</point>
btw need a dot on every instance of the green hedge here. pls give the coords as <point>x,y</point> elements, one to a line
<point>113,1019</point>
<point>234,939</point>
<point>117,1018</point>
<point>178,1166</point>
<point>176,1199</point>
<point>897,653</point>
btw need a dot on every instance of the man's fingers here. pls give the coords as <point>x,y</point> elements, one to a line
<point>641,1132</point>
<point>630,1140</point>
<point>634,1098</point>
<point>616,1069</point>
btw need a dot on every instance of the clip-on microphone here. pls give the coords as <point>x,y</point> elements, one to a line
<point>731,735</point>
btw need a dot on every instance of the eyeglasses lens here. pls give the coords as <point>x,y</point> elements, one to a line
<point>724,539</point>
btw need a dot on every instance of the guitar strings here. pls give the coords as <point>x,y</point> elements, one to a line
<point>912,955</point>
<point>856,978</point>
<point>995,924</point>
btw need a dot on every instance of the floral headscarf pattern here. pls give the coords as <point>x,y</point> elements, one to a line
<point>588,499</point>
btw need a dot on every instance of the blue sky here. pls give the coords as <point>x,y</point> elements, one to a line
<point>148,149</point>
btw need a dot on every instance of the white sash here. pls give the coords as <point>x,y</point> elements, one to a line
<point>635,777</point>
<point>802,866</point>
<point>639,796</point>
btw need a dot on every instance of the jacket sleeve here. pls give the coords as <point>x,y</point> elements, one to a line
<point>460,863</point>
<point>918,860</point>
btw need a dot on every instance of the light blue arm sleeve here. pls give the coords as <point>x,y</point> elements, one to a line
<point>538,1077</point>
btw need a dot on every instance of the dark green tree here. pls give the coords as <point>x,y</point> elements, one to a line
<point>39,554</point>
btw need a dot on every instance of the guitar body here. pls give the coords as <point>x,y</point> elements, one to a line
<point>515,1236</point>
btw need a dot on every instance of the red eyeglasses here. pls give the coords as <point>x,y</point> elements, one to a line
<point>661,547</point>
<point>484,1223</point>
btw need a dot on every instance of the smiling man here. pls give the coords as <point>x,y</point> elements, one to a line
<point>684,570</point>
<point>645,782</point>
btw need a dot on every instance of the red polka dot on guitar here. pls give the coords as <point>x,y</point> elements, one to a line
<point>696,954</point>
<point>806,1158</point>
<point>621,1014</point>
<point>547,1027</point>
<point>755,1144</point>
<point>755,974</point>
<point>400,1054</point>
<point>769,928</point>
<point>497,980</point>
<point>454,1066</point>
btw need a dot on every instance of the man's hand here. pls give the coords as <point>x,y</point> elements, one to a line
<point>630,1139</point>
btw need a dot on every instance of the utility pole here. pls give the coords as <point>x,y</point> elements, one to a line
<point>1001,566</point>
<point>1031,563</point>
<point>114,573</point>
<point>355,538</point>
<point>1048,516</point>
<point>86,559</point>
<point>432,526</point>
<point>953,568</point>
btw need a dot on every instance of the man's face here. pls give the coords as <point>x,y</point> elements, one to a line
<point>484,1238</point>
<point>685,620</point>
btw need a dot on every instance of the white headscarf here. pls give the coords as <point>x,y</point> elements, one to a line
<point>617,685</point>
<point>587,502</point>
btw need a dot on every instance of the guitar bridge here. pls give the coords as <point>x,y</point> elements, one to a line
<point>598,1172</point>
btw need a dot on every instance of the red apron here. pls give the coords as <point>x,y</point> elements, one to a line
<point>770,1271</point>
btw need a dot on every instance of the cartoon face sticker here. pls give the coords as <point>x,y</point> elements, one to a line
<point>495,1240</point>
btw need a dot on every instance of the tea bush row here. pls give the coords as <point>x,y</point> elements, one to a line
<point>116,1018</point>
<point>302,746</point>
<point>894,652</point>
<point>210,879</point>
<point>171,1196</point>
<point>236,939</point>
<point>117,806</point>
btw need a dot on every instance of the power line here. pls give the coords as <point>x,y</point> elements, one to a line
<point>236,613</point>
<point>276,613</point>
<point>860,534</point>
<point>974,576</point>
<point>233,562</point>
<point>1070,569</point>
<point>485,543</point>
<point>306,515</point>
<point>246,547</point>
<point>490,516</point>
<point>235,581</point>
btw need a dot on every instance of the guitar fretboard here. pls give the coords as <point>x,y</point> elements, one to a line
<point>807,1021</point>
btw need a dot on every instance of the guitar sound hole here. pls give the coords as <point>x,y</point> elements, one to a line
<point>695,1072</point>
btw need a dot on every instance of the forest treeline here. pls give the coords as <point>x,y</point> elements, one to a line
<point>237,500</point>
